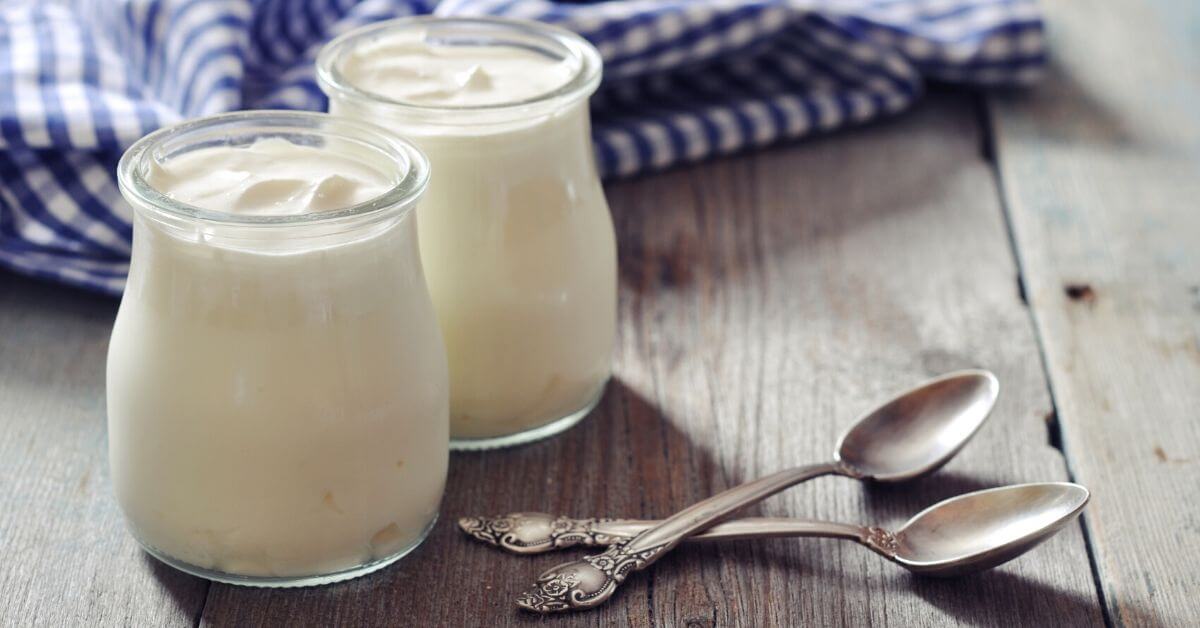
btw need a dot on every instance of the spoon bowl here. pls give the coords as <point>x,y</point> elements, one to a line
<point>921,430</point>
<point>983,529</point>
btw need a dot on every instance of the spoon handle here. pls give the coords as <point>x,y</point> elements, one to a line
<point>618,530</point>
<point>652,543</point>
<point>884,542</point>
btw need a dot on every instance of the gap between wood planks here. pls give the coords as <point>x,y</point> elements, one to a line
<point>200,613</point>
<point>1054,431</point>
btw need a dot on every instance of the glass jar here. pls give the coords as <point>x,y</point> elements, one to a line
<point>277,386</point>
<point>516,236</point>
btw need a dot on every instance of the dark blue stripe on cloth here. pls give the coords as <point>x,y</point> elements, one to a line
<point>264,12</point>
<point>147,33</point>
<point>213,55</point>
<point>47,83</point>
<point>10,117</point>
<point>224,21</point>
<point>102,120</point>
<point>285,19</point>
<point>606,156</point>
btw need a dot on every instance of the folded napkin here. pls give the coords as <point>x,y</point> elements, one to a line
<point>80,80</point>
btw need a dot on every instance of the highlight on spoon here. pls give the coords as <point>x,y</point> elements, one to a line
<point>981,530</point>
<point>920,430</point>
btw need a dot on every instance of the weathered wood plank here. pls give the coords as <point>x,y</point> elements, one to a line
<point>1101,171</point>
<point>65,557</point>
<point>765,301</point>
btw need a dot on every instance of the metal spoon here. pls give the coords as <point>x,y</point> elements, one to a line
<point>960,535</point>
<point>911,435</point>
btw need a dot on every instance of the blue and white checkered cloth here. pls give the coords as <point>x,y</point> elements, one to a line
<point>80,80</point>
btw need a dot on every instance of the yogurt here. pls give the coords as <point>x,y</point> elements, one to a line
<point>272,176</point>
<point>277,393</point>
<point>516,237</point>
<point>407,67</point>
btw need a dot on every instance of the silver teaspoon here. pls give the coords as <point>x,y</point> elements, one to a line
<point>960,535</point>
<point>911,435</point>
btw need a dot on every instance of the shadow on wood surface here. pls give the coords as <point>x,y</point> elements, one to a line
<point>997,592</point>
<point>180,587</point>
<point>893,504</point>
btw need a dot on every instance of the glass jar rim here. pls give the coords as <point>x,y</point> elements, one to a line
<point>401,196</point>
<point>582,83</point>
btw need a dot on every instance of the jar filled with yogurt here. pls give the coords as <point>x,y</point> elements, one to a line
<point>277,387</point>
<point>516,236</point>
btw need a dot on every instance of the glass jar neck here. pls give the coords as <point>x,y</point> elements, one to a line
<point>266,239</point>
<point>546,40</point>
<point>404,165</point>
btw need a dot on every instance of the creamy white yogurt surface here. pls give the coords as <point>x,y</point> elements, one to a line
<point>272,176</point>
<point>277,399</point>
<point>407,68</point>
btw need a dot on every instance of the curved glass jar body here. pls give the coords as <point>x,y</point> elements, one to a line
<point>277,386</point>
<point>516,236</point>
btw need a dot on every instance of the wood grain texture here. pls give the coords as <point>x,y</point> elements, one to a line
<point>1101,172</point>
<point>766,300</point>
<point>65,557</point>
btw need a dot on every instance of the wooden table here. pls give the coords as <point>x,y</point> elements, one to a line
<point>1052,236</point>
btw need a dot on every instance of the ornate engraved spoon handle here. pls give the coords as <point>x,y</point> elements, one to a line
<point>669,532</point>
<point>589,581</point>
